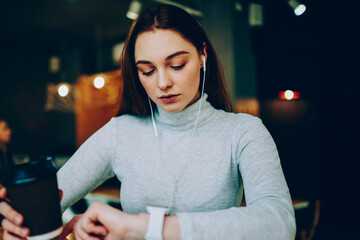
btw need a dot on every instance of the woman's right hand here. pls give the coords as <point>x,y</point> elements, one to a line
<point>12,220</point>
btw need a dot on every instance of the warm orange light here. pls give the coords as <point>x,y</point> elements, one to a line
<point>289,95</point>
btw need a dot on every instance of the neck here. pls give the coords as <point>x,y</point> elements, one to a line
<point>185,119</point>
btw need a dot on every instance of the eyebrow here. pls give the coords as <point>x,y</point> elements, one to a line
<point>167,58</point>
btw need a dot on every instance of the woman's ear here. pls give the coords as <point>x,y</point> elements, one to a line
<point>203,56</point>
<point>204,51</point>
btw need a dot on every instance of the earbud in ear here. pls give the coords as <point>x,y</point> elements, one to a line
<point>204,61</point>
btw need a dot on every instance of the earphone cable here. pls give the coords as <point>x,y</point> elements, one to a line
<point>192,135</point>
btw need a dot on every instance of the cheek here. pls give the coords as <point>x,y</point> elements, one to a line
<point>193,78</point>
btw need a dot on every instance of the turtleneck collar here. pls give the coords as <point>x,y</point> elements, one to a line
<point>186,118</point>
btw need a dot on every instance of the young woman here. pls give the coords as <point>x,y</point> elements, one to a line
<point>177,149</point>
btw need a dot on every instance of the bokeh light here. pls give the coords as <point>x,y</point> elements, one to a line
<point>299,10</point>
<point>99,82</point>
<point>63,90</point>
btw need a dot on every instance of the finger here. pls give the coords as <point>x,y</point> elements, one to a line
<point>2,192</point>
<point>85,236</point>
<point>99,230</point>
<point>92,229</point>
<point>91,226</point>
<point>93,212</point>
<point>12,228</point>
<point>84,229</point>
<point>9,213</point>
<point>81,234</point>
<point>9,236</point>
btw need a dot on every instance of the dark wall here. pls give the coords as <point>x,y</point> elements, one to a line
<point>22,100</point>
<point>24,77</point>
<point>319,149</point>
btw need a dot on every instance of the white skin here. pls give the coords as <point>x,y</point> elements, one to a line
<point>169,69</point>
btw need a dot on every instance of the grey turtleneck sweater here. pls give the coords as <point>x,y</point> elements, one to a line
<point>201,176</point>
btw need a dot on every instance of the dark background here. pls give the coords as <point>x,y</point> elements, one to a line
<point>315,54</point>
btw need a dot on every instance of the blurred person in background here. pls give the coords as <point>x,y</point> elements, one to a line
<point>5,137</point>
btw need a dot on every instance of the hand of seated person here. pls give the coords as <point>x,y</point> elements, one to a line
<point>11,220</point>
<point>101,221</point>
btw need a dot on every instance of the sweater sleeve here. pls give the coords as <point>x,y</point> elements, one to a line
<point>88,167</point>
<point>268,213</point>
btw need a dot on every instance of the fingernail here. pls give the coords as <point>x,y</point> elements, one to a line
<point>17,219</point>
<point>23,231</point>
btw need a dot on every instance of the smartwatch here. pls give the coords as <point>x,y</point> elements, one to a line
<point>156,222</point>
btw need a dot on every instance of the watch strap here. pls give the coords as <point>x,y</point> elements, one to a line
<point>156,222</point>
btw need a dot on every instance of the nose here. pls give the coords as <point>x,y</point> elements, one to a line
<point>164,80</point>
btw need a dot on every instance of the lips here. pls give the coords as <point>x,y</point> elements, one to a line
<point>169,98</point>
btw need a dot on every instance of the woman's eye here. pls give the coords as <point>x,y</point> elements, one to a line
<point>148,73</point>
<point>178,67</point>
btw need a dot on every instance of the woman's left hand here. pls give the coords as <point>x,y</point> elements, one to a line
<point>100,221</point>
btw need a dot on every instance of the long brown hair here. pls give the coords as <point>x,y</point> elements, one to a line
<point>134,98</point>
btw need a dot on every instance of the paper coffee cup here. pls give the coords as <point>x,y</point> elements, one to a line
<point>33,191</point>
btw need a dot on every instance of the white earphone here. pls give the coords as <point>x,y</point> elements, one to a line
<point>204,62</point>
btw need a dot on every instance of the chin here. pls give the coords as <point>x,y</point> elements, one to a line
<point>172,109</point>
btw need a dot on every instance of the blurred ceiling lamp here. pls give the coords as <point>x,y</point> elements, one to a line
<point>116,52</point>
<point>99,82</point>
<point>63,90</point>
<point>289,95</point>
<point>134,9</point>
<point>298,8</point>
<point>60,97</point>
<point>238,6</point>
<point>54,64</point>
<point>255,15</point>
<point>88,96</point>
